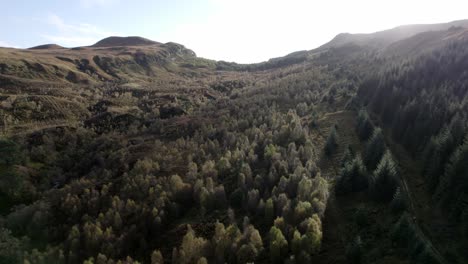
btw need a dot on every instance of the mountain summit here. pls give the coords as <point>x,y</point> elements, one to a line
<point>124,41</point>
<point>47,46</point>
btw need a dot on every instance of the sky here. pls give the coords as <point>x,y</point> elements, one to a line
<point>243,31</point>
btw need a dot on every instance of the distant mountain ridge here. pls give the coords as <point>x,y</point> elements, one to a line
<point>386,37</point>
<point>137,58</point>
<point>425,41</point>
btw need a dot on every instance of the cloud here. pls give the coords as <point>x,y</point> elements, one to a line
<point>70,41</point>
<point>8,45</point>
<point>82,28</point>
<point>97,3</point>
<point>68,34</point>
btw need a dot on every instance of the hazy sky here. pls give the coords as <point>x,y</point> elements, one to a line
<point>232,30</point>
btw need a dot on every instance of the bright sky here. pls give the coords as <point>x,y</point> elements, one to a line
<point>243,31</point>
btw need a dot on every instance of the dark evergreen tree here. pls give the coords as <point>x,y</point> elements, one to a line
<point>453,185</point>
<point>375,149</point>
<point>399,201</point>
<point>436,155</point>
<point>332,142</point>
<point>353,177</point>
<point>364,125</point>
<point>354,251</point>
<point>9,152</point>
<point>348,156</point>
<point>384,181</point>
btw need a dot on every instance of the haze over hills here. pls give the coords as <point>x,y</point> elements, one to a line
<point>135,151</point>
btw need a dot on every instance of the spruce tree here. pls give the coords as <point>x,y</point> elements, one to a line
<point>375,149</point>
<point>385,179</point>
<point>399,202</point>
<point>436,155</point>
<point>332,142</point>
<point>454,182</point>
<point>353,177</point>
<point>348,156</point>
<point>354,251</point>
<point>364,125</point>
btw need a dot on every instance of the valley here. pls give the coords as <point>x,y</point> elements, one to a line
<point>136,151</point>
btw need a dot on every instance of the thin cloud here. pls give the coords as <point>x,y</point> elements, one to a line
<point>82,28</point>
<point>8,45</point>
<point>70,41</point>
<point>74,34</point>
<point>97,3</point>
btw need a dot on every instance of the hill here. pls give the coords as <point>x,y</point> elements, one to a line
<point>112,58</point>
<point>384,38</point>
<point>47,46</point>
<point>123,41</point>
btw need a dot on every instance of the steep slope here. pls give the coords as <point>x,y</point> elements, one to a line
<point>420,96</point>
<point>384,38</point>
<point>425,42</point>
